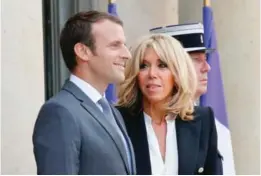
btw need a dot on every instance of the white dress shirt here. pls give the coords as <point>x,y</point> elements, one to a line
<point>158,166</point>
<point>89,90</point>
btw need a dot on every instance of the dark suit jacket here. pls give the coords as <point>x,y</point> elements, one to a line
<point>196,139</point>
<point>72,136</point>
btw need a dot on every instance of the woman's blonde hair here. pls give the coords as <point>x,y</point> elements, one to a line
<point>180,64</point>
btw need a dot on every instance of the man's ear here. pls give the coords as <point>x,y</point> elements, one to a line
<point>82,51</point>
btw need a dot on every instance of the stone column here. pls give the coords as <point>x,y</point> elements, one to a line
<point>22,82</point>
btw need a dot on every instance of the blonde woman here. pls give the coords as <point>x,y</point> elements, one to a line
<point>169,134</point>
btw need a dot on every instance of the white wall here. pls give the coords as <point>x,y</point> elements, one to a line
<point>237,25</point>
<point>141,15</point>
<point>22,82</point>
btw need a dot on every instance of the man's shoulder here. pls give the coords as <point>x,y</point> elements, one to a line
<point>61,97</point>
<point>61,100</point>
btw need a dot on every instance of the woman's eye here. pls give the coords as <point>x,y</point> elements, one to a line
<point>163,65</point>
<point>142,66</point>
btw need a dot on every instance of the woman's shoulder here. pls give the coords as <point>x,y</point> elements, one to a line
<point>128,114</point>
<point>123,110</point>
<point>132,119</point>
<point>205,114</point>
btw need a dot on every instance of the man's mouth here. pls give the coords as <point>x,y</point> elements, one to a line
<point>120,65</point>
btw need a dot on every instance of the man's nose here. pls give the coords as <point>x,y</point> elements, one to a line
<point>206,67</point>
<point>125,53</point>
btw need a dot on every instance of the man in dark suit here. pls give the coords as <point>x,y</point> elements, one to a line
<point>77,131</point>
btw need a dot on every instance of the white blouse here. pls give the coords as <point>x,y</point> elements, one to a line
<point>158,166</point>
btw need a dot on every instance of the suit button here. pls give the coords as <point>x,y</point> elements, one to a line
<point>200,170</point>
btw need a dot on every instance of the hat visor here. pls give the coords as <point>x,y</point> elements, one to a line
<point>203,49</point>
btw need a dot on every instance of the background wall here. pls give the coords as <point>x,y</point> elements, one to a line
<point>237,25</point>
<point>141,15</point>
<point>22,82</point>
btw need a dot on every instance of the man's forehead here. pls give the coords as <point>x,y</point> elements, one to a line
<point>106,26</point>
<point>198,52</point>
<point>198,55</point>
<point>108,30</point>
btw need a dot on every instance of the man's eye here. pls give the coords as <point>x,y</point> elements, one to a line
<point>197,59</point>
<point>115,45</point>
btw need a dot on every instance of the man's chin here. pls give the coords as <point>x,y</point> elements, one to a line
<point>119,79</point>
<point>201,91</point>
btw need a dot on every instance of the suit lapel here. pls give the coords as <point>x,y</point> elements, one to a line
<point>188,133</point>
<point>101,119</point>
<point>120,123</point>
<point>90,106</point>
<point>119,120</point>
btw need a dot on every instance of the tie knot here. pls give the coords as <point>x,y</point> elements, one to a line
<point>104,104</point>
<point>106,108</point>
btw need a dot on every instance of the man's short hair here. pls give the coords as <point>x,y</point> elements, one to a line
<point>78,29</point>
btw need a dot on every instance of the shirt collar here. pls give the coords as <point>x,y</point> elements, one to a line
<point>88,89</point>
<point>169,117</point>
